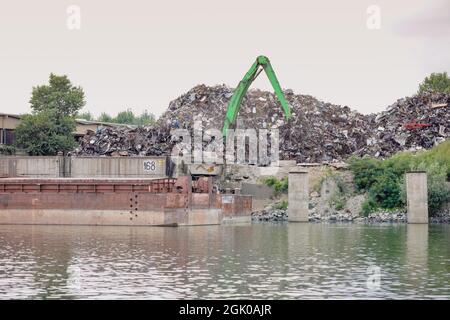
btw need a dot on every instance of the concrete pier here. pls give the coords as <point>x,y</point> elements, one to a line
<point>417,197</point>
<point>298,196</point>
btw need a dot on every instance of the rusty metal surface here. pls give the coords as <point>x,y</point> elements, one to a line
<point>71,185</point>
<point>101,194</point>
<point>170,200</point>
<point>234,205</point>
<point>132,201</point>
<point>201,200</point>
<point>202,185</point>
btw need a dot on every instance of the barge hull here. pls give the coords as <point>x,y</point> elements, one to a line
<point>109,217</point>
<point>116,202</point>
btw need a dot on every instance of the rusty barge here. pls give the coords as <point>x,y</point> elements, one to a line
<point>136,202</point>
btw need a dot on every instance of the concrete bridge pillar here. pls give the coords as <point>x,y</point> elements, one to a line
<point>417,196</point>
<point>298,196</point>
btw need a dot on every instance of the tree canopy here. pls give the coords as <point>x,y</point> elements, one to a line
<point>123,117</point>
<point>439,82</point>
<point>44,134</point>
<point>86,116</point>
<point>49,128</point>
<point>59,96</point>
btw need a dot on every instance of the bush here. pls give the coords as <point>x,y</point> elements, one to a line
<point>438,189</point>
<point>280,186</point>
<point>338,202</point>
<point>384,180</point>
<point>45,133</point>
<point>440,154</point>
<point>365,172</point>
<point>339,199</point>
<point>368,206</point>
<point>385,191</point>
<point>283,205</point>
<point>438,195</point>
<point>7,150</point>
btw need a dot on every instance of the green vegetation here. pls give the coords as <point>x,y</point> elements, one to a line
<point>86,116</point>
<point>59,97</point>
<point>339,199</point>
<point>7,150</point>
<point>123,117</point>
<point>383,180</point>
<point>369,206</point>
<point>438,190</point>
<point>280,186</point>
<point>283,205</point>
<point>439,82</point>
<point>48,129</point>
<point>104,117</point>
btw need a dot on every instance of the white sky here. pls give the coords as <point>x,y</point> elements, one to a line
<point>142,54</point>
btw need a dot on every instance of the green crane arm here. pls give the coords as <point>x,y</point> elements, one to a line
<point>235,103</point>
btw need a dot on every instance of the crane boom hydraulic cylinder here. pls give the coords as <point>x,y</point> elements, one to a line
<point>235,103</point>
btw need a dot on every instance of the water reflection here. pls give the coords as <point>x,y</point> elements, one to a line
<point>266,261</point>
<point>417,256</point>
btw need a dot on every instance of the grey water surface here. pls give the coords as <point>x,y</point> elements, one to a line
<point>254,261</point>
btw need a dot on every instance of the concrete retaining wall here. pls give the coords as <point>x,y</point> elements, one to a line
<point>82,167</point>
<point>262,194</point>
<point>126,167</point>
<point>25,166</point>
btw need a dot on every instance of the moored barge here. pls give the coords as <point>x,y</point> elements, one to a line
<point>120,201</point>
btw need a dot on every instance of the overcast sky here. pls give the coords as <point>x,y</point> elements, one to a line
<point>143,54</point>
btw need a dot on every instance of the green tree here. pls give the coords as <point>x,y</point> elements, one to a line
<point>86,116</point>
<point>439,82</point>
<point>50,126</point>
<point>59,95</point>
<point>125,117</point>
<point>40,134</point>
<point>145,118</point>
<point>104,117</point>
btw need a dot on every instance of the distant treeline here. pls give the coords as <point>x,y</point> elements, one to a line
<point>123,117</point>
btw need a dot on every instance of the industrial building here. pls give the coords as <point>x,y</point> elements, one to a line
<point>9,122</point>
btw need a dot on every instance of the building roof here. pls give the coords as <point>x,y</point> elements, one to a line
<point>17,116</point>
<point>100,123</point>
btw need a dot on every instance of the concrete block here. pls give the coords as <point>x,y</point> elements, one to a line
<point>417,197</point>
<point>298,196</point>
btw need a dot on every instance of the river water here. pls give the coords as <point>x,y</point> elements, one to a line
<point>255,261</point>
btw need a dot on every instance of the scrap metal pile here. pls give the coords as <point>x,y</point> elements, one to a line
<point>412,123</point>
<point>316,132</point>
<point>125,141</point>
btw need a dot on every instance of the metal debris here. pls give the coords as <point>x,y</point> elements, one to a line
<point>316,132</point>
<point>412,123</point>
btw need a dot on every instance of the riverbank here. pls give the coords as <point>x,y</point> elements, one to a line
<point>278,215</point>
